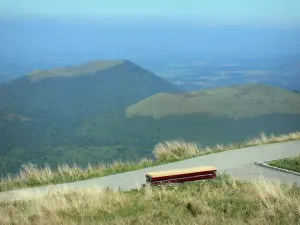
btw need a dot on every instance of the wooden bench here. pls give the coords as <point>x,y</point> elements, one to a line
<point>181,175</point>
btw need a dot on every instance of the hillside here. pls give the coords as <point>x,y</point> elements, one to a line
<point>87,116</point>
<point>41,113</point>
<point>221,115</point>
<point>90,89</point>
<point>239,101</point>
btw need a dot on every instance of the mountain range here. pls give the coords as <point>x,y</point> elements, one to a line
<point>110,110</point>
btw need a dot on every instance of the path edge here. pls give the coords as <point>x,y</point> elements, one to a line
<point>266,165</point>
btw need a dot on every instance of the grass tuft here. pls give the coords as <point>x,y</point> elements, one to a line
<point>175,150</point>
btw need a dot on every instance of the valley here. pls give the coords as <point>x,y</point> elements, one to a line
<point>207,73</point>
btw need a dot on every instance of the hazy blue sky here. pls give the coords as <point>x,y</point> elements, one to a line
<point>224,12</point>
<point>124,28</point>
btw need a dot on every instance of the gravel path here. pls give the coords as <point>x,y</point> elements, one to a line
<point>238,163</point>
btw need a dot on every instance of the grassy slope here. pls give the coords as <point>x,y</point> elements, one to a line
<point>226,101</point>
<point>169,151</point>
<point>107,140</point>
<point>218,201</point>
<point>292,164</point>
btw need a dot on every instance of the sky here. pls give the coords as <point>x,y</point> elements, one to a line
<point>220,12</point>
<point>122,28</point>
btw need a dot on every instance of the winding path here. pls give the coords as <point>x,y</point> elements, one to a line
<point>237,163</point>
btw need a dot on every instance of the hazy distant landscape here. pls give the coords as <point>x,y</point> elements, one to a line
<point>103,111</point>
<point>91,88</point>
<point>170,49</point>
<point>194,75</point>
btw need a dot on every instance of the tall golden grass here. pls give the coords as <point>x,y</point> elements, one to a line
<point>179,149</point>
<point>33,175</point>
<point>219,201</point>
<point>175,150</point>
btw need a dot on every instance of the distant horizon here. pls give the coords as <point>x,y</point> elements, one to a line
<point>283,13</point>
<point>42,33</point>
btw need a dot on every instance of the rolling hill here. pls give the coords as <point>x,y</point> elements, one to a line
<point>219,115</point>
<point>239,101</point>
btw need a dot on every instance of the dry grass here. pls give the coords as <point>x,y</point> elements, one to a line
<point>174,150</point>
<point>31,175</point>
<point>169,151</point>
<point>218,201</point>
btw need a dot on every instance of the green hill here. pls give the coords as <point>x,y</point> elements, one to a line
<point>240,101</point>
<point>90,89</point>
<point>41,113</point>
<point>220,115</point>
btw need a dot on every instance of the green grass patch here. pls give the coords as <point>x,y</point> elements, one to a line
<point>292,164</point>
